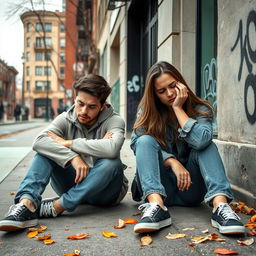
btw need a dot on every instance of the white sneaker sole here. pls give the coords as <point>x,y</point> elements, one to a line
<point>228,229</point>
<point>150,227</point>
<point>9,225</point>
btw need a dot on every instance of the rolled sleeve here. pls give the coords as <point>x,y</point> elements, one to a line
<point>167,155</point>
<point>187,127</point>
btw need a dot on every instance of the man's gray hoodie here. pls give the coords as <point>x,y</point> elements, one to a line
<point>88,143</point>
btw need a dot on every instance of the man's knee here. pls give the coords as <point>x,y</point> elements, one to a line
<point>111,166</point>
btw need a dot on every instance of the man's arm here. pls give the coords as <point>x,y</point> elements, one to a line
<point>45,145</point>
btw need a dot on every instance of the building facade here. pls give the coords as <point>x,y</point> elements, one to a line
<point>211,42</point>
<point>7,91</point>
<point>44,62</point>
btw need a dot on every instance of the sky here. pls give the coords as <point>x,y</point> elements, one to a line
<point>12,33</point>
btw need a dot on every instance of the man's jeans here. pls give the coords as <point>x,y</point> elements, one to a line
<point>101,186</point>
<point>205,167</point>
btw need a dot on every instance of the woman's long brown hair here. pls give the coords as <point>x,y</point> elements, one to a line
<point>154,116</point>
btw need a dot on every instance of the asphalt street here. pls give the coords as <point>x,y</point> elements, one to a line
<point>95,220</point>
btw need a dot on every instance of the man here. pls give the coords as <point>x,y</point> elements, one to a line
<point>79,154</point>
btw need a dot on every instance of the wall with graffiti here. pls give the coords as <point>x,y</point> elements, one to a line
<point>237,71</point>
<point>236,94</point>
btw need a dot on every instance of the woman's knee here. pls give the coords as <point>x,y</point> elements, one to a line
<point>146,140</point>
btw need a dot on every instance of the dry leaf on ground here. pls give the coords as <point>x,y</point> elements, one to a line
<point>136,214</point>
<point>247,242</point>
<point>32,234</point>
<point>109,234</point>
<point>186,229</point>
<point>76,252</point>
<point>46,237</point>
<point>252,219</point>
<point>78,236</point>
<point>224,251</point>
<point>251,225</point>
<point>175,236</point>
<point>121,224</point>
<point>200,239</point>
<point>241,207</point>
<point>146,240</point>
<point>130,221</point>
<point>252,233</point>
<point>47,241</point>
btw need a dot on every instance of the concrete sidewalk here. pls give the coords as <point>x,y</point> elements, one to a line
<point>95,220</point>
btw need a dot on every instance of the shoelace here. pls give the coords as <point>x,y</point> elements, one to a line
<point>15,209</point>
<point>47,209</point>
<point>148,209</point>
<point>227,212</point>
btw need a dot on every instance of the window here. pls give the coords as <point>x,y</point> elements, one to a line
<point>48,27</point>
<point>62,43</point>
<point>48,41</point>
<point>62,57</point>
<point>62,71</point>
<point>39,56</point>
<point>39,70</point>
<point>39,27</point>
<point>28,86</point>
<point>28,42</point>
<point>28,56</point>
<point>47,55</point>
<point>28,27</point>
<point>28,71</point>
<point>62,27</point>
<point>40,42</point>
<point>47,70</point>
<point>42,86</point>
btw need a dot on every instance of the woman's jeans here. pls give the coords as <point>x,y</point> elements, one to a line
<point>101,186</point>
<point>205,167</point>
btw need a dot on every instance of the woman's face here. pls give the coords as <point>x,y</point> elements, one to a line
<point>165,89</point>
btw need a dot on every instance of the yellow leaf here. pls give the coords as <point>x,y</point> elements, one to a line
<point>247,242</point>
<point>121,224</point>
<point>130,221</point>
<point>78,236</point>
<point>185,229</point>
<point>175,236</point>
<point>32,234</point>
<point>43,227</point>
<point>48,241</point>
<point>109,234</point>
<point>146,240</point>
<point>44,237</point>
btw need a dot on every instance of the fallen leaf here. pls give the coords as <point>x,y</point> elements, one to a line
<point>224,251</point>
<point>48,241</point>
<point>185,229</point>
<point>200,239</point>
<point>46,237</point>
<point>251,225</point>
<point>32,234</point>
<point>175,236</point>
<point>146,240</point>
<point>12,193</point>
<point>109,234</point>
<point>252,233</point>
<point>43,227</point>
<point>136,214</point>
<point>130,221</point>
<point>205,231</point>
<point>76,252</point>
<point>252,219</point>
<point>241,207</point>
<point>121,224</point>
<point>247,242</point>
<point>78,236</point>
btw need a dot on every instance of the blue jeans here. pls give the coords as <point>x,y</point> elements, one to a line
<point>102,185</point>
<point>205,167</point>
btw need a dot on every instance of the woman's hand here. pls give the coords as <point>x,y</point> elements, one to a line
<point>181,173</point>
<point>181,95</point>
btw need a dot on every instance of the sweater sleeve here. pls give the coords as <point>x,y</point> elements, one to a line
<point>103,148</point>
<point>46,146</point>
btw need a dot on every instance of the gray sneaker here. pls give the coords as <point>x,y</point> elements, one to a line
<point>46,209</point>
<point>18,217</point>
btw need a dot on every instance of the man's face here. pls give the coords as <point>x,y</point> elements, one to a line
<point>87,108</point>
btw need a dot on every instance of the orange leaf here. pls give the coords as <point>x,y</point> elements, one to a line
<point>44,237</point>
<point>252,219</point>
<point>43,227</point>
<point>252,233</point>
<point>76,252</point>
<point>251,225</point>
<point>224,251</point>
<point>175,236</point>
<point>109,234</point>
<point>146,240</point>
<point>121,224</point>
<point>78,236</point>
<point>247,242</point>
<point>32,234</point>
<point>48,241</point>
<point>136,214</point>
<point>130,221</point>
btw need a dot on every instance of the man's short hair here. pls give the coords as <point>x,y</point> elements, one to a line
<point>93,84</point>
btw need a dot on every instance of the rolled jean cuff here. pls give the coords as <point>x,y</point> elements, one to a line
<point>28,196</point>
<point>61,203</point>
<point>154,192</point>
<point>208,200</point>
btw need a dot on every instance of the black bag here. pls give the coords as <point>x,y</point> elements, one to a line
<point>136,189</point>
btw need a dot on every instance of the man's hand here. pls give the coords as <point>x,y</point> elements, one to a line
<point>181,173</point>
<point>108,135</point>
<point>66,143</point>
<point>81,167</point>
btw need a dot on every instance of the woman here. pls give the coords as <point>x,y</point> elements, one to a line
<point>177,162</point>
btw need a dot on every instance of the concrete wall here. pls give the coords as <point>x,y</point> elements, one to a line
<point>237,94</point>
